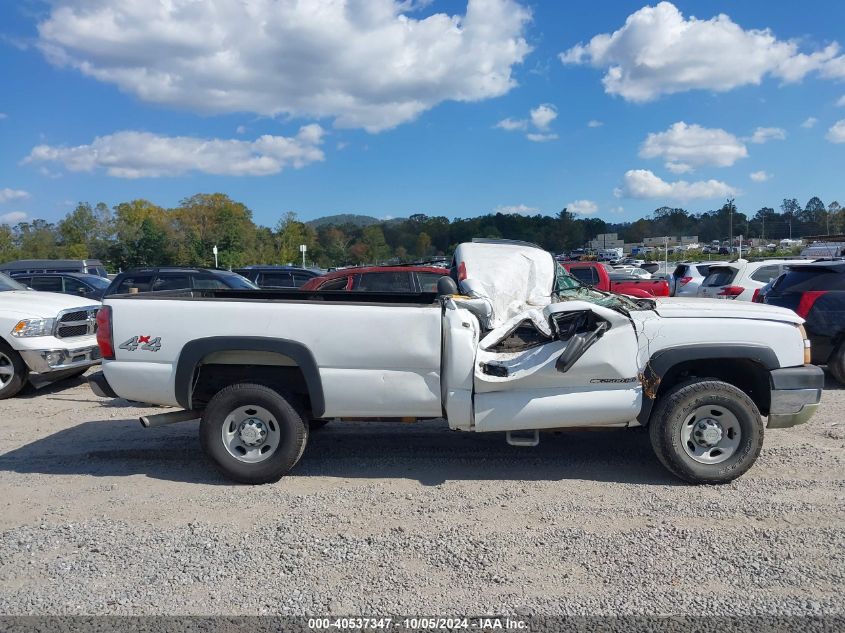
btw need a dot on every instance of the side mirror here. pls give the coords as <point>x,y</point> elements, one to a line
<point>82,290</point>
<point>446,286</point>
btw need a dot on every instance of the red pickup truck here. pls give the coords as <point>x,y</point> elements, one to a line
<point>598,275</point>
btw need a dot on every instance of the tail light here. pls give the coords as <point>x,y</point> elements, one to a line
<point>731,291</point>
<point>756,297</point>
<point>684,280</point>
<point>808,298</point>
<point>104,334</point>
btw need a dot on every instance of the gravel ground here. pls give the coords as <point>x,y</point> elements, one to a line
<point>99,515</point>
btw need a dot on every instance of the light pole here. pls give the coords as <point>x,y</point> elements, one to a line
<point>214,250</point>
<point>302,249</point>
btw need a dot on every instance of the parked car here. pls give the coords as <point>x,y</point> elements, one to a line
<point>824,249</point>
<point>509,344</point>
<point>175,278</point>
<point>688,278</point>
<point>44,336</point>
<point>598,275</point>
<point>78,284</point>
<point>816,292</point>
<point>379,279</point>
<point>277,276</point>
<point>21,266</point>
<point>739,279</point>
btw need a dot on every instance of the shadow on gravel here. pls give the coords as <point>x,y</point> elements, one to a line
<point>427,452</point>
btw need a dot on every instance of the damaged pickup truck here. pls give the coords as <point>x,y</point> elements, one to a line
<point>510,343</point>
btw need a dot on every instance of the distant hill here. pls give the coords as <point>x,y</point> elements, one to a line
<point>344,218</point>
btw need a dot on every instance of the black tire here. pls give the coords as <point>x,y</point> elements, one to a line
<point>836,363</point>
<point>9,358</point>
<point>672,413</point>
<point>285,414</point>
<point>315,424</point>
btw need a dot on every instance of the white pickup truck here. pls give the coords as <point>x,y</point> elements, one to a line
<point>44,336</point>
<point>509,343</point>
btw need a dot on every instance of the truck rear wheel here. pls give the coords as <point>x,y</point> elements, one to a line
<point>254,434</point>
<point>13,371</point>
<point>706,431</point>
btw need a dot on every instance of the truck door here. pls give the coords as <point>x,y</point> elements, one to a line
<point>581,371</point>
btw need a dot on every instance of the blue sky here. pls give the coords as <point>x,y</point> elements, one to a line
<point>387,108</point>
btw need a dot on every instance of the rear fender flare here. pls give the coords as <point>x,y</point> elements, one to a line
<point>194,351</point>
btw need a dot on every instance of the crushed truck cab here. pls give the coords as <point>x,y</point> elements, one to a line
<point>510,343</point>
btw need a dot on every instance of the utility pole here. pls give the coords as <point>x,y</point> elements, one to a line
<point>731,223</point>
<point>214,250</point>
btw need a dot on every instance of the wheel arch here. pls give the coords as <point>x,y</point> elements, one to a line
<point>195,352</point>
<point>745,366</point>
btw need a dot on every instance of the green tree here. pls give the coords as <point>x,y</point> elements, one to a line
<point>377,248</point>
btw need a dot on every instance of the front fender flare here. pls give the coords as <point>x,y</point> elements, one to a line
<point>662,361</point>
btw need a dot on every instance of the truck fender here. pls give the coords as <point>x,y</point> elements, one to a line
<point>194,351</point>
<point>662,361</point>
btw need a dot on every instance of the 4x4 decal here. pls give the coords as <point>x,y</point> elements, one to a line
<point>147,343</point>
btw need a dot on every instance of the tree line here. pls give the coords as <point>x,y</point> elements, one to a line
<point>140,233</point>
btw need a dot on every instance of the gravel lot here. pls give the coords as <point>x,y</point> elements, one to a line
<point>99,515</point>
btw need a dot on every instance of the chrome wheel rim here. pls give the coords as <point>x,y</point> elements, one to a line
<point>7,370</point>
<point>711,434</point>
<point>251,434</point>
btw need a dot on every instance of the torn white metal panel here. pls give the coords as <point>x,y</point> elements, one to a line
<point>511,277</point>
<point>535,315</point>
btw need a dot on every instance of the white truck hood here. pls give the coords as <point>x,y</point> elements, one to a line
<point>681,307</point>
<point>34,304</point>
<point>510,277</point>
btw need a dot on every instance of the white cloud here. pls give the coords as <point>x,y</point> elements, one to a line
<point>540,118</point>
<point>510,124</point>
<point>364,63</point>
<point>766,134</point>
<point>685,147</point>
<point>518,209</point>
<point>541,138</point>
<point>131,154</point>
<point>241,129</point>
<point>642,183</point>
<point>760,176</point>
<point>658,51</point>
<point>543,115</point>
<point>809,122</point>
<point>594,123</point>
<point>7,194</point>
<point>582,207</point>
<point>836,133</point>
<point>841,101</point>
<point>3,115</point>
<point>12,218</point>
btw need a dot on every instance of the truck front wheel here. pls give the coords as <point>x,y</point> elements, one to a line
<point>13,371</point>
<point>706,431</point>
<point>254,434</point>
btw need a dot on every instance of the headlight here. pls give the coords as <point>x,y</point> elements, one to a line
<point>33,327</point>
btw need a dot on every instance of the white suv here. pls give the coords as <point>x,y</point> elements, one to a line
<point>742,279</point>
<point>688,277</point>
<point>44,336</point>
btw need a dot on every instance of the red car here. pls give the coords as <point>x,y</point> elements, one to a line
<point>379,279</point>
<point>597,275</point>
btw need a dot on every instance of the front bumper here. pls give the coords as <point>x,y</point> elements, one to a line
<point>48,361</point>
<point>796,392</point>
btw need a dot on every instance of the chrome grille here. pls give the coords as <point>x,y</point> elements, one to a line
<point>77,322</point>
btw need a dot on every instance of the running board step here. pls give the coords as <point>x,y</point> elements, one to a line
<point>523,438</point>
